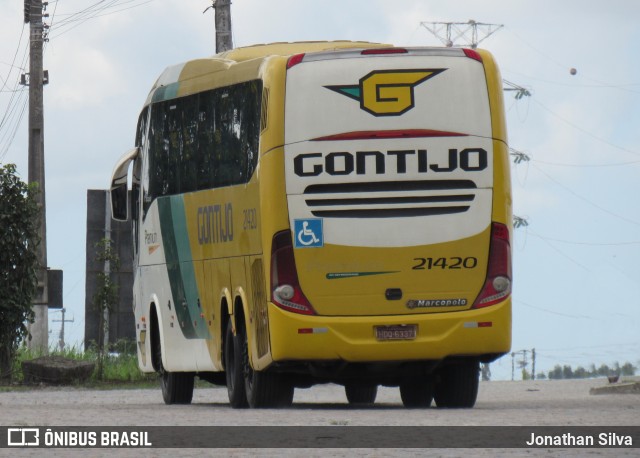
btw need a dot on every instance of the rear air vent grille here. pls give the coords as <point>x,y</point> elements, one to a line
<point>391,199</point>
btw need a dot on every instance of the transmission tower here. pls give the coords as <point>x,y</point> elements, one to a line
<point>471,32</point>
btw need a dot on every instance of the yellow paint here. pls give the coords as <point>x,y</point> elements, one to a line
<point>391,93</point>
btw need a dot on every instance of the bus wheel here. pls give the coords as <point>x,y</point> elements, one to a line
<point>264,389</point>
<point>458,385</point>
<point>360,393</point>
<point>177,387</point>
<point>416,393</point>
<point>234,369</point>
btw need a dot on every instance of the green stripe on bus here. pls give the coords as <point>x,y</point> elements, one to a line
<point>182,279</point>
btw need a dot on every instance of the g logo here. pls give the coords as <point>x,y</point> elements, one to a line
<point>387,92</point>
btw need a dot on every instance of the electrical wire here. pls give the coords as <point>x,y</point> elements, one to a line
<point>584,131</point>
<point>96,10</point>
<point>573,242</point>
<point>611,164</point>
<point>584,199</point>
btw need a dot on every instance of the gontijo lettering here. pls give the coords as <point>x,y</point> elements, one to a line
<point>215,224</point>
<point>362,162</point>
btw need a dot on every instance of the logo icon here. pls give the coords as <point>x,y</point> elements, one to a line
<point>387,92</point>
<point>23,437</point>
<point>308,233</point>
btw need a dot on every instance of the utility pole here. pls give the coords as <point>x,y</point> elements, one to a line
<point>224,39</point>
<point>533,364</point>
<point>513,365</point>
<point>63,321</point>
<point>33,13</point>
<point>449,32</point>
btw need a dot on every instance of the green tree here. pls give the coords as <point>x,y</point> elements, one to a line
<point>19,222</point>
<point>556,373</point>
<point>580,372</point>
<point>604,370</point>
<point>628,369</point>
<point>105,298</point>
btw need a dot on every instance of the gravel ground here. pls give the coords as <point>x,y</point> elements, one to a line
<point>530,403</point>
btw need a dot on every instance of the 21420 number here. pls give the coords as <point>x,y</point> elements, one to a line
<point>454,262</point>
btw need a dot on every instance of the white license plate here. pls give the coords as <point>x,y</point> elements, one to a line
<point>396,332</point>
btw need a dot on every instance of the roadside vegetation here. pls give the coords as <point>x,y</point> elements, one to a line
<point>119,368</point>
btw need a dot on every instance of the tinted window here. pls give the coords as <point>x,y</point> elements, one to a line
<point>203,141</point>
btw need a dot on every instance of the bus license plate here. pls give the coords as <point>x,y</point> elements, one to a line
<point>397,332</point>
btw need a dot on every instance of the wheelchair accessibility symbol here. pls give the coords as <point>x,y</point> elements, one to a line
<point>308,233</point>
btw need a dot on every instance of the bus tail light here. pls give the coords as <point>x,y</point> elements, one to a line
<point>497,285</point>
<point>295,60</point>
<point>285,288</point>
<point>472,54</point>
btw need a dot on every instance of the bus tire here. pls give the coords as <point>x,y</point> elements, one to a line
<point>416,393</point>
<point>360,393</point>
<point>263,389</point>
<point>457,386</point>
<point>234,369</point>
<point>177,387</point>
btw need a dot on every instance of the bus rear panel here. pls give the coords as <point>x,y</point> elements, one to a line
<point>400,243</point>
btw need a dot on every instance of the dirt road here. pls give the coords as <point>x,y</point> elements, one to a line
<point>530,403</point>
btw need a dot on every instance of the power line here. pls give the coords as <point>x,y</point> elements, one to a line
<point>584,131</point>
<point>554,312</point>
<point>95,11</point>
<point>573,242</point>
<point>584,199</point>
<point>611,164</point>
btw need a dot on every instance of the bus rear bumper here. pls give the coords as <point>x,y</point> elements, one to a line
<point>473,333</point>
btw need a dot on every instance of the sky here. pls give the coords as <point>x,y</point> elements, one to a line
<point>577,262</point>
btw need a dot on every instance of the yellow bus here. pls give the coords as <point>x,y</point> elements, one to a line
<point>321,212</point>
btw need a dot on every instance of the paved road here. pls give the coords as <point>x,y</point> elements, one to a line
<point>531,403</point>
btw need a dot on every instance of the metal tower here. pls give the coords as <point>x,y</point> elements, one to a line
<point>450,32</point>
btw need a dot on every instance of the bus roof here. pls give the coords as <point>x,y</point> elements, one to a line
<point>173,80</point>
<point>288,49</point>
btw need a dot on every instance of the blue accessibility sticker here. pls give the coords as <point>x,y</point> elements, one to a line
<point>308,233</point>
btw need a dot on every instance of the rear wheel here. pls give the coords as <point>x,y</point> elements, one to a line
<point>263,389</point>
<point>457,386</point>
<point>416,393</point>
<point>362,394</point>
<point>234,369</point>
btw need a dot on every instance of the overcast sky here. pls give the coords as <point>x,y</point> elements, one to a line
<point>577,263</point>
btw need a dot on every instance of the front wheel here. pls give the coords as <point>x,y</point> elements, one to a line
<point>177,387</point>
<point>457,386</point>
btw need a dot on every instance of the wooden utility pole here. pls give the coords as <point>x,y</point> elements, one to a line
<point>33,10</point>
<point>224,40</point>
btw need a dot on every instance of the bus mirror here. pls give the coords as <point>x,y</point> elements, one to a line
<point>119,203</point>
<point>119,188</point>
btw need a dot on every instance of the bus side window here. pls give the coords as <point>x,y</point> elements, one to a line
<point>205,130</point>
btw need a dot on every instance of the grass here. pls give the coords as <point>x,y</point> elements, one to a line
<point>119,369</point>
